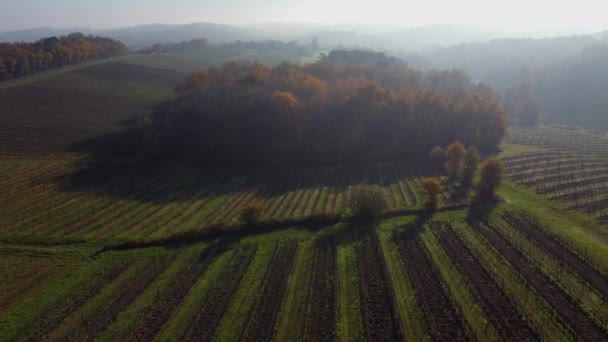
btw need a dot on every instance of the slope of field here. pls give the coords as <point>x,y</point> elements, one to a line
<point>48,116</point>
<point>470,280</point>
<point>188,61</point>
<point>62,200</point>
<point>118,249</point>
<point>571,167</point>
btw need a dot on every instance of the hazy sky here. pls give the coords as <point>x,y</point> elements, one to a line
<point>508,14</point>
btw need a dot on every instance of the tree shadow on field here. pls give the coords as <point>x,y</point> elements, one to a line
<point>116,166</point>
<point>358,230</point>
<point>413,229</point>
<point>481,210</point>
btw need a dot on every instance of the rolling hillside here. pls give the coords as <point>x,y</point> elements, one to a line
<point>49,116</point>
<point>124,249</point>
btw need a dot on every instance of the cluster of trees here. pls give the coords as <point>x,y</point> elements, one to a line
<point>462,167</point>
<point>21,59</point>
<point>324,112</point>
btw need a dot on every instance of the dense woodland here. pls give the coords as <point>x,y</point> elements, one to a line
<point>554,80</point>
<point>340,108</point>
<point>574,92</point>
<point>22,59</point>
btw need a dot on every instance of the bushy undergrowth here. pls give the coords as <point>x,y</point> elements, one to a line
<point>367,201</point>
<point>251,214</point>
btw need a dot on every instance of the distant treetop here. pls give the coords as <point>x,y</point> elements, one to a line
<point>22,59</point>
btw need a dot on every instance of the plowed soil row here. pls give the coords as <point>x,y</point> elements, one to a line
<point>382,323</point>
<point>566,309</point>
<point>209,315</point>
<point>164,307</point>
<point>262,319</point>
<point>51,320</point>
<point>133,290</point>
<point>496,304</point>
<point>322,295</point>
<point>443,323</point>
<point>559,251</point>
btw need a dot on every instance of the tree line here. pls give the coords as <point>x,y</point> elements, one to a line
<point>328,111</point>
<point>202,44</point>
<point>22,59</point>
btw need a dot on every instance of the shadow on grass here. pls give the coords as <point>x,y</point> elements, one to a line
<point>482,210</point>
<point>348,229</point>
<point>121,165</point>
<point>414,228</point>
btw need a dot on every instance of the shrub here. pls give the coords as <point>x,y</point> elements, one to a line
<point>251,215</point>
<point>367,201</point>
<point>431,188</point>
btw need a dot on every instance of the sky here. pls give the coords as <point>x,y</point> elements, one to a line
<point>504,14</point>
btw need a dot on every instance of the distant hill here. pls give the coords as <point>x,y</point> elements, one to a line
<point>412,39</point>
<point>524,49</point>
<point>53,116</point>
<point>34,34</point>
<point>137,37</point>
<point>143,36</point>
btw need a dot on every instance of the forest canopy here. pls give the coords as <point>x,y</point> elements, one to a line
<point>341,108</point>
<point>22,59</point>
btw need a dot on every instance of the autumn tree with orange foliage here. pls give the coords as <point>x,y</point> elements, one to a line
<point>491,173</point>
<point>455,162</point>
<point>328,111</point>
<point>431,189</point>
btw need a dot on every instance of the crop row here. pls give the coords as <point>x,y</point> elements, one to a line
<point>565,307</point>
<point>50,204</point>
<point>24,276</point>
<point>379,310</point>
<point>49,320</point>
<point>558,250</point>
<point>560,139</point>
<point>208,317</point>
<point>443,319</point>
<point>496,304</point>
<point>129,291</point>
<point>564,178</point>
<point>322,293</point>
<point>155,319</point>
<point>262,319</point>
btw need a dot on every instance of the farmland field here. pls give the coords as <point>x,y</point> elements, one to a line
<point>570,167</point>
<point>187,61</point>
<point>122,249</point>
